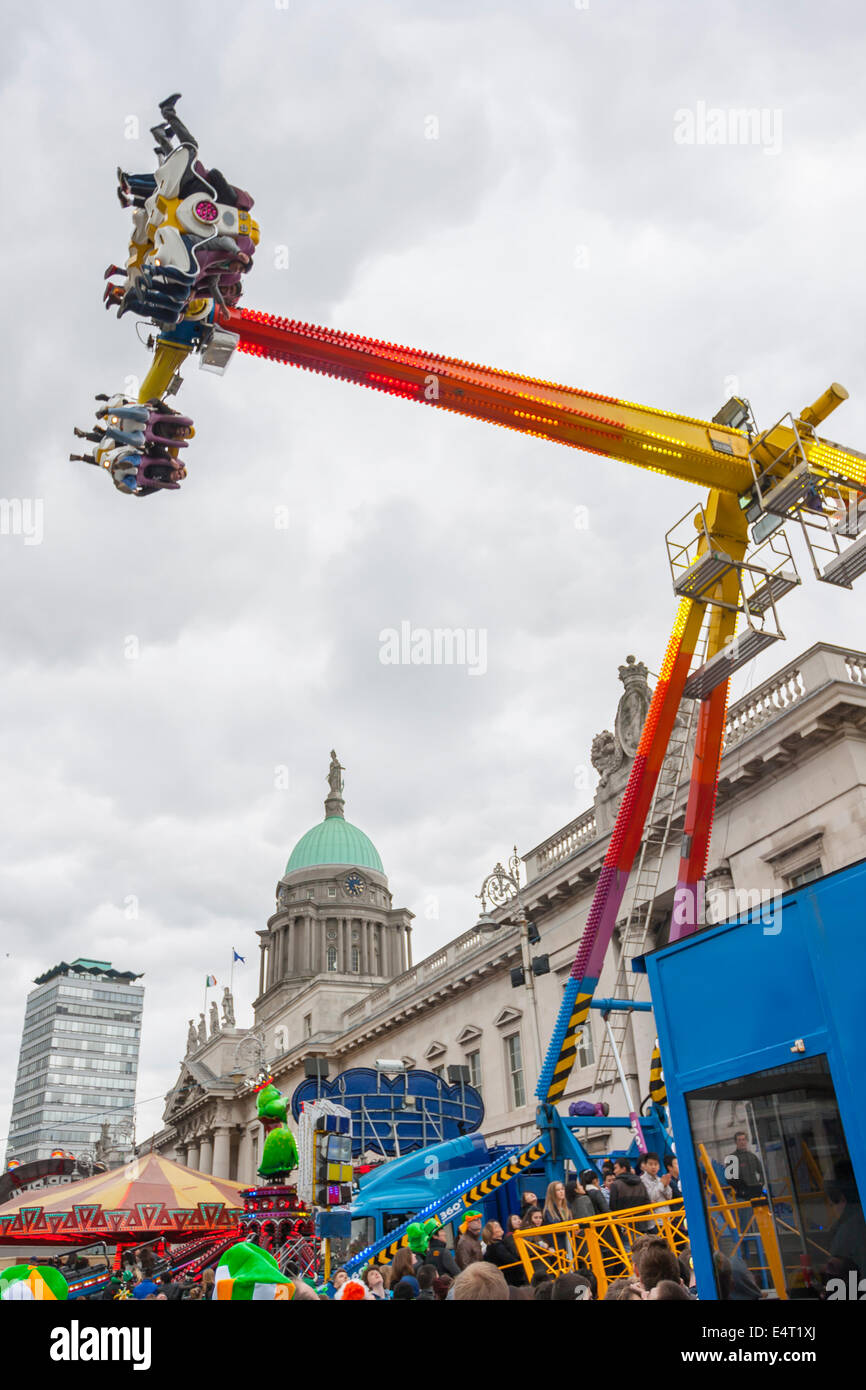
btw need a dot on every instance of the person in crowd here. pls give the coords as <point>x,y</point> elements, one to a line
<point>666,1291</point>
<point>743,1170</point>
<point>406,1289</point>
<point>597,1195</point>
<point>672,1168</point>
<point>403,1264</point>
<point>556,1206</point>
<point>516,1276</point>
<point>375,1281</point>
<point>556,1209</point>
<point>207,1280</point>
<point>579,1204</point>
<point>657,1184</point>
<point>502,1253</point>
<point>724,1276</point>
<point>541,1244</point>
<point>479,1282</point>
<point>441,1284</point>
<point>426,1276</point>
<point>194,1295</point>
<point>144,1289</point>
<point>527,1201</point>
<point>847,1235</point>
<point>571,1288</point>
<point>469,1249</point>
<point>338,1278</point>
<point>353,1291</point>
<point>543,1290</point>
<point>439,1255</point>
<point>654,1261</point>
<point>623,1291</point>
<point>607,1183</point>
<point>520,1294</point>
<point>626,1190</point>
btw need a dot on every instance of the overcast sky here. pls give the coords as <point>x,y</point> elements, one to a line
<point>554,226</point>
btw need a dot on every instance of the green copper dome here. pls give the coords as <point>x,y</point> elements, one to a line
<point>334,841</point>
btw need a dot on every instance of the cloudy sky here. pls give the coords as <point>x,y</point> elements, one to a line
<point>176,669</point>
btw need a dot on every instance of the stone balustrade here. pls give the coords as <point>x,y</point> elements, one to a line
<point>455,953</point>
<point>579,832</point>
<point>816,668</point>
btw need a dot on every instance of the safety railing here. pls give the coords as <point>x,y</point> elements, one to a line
<point>601,1243</point>
<point>604,1243</point>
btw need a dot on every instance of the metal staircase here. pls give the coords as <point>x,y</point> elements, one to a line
<point>635,929</point>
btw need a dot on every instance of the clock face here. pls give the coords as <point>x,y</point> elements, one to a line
<point>354,885</point>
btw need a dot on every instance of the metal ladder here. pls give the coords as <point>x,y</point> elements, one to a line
<point>636,928</point>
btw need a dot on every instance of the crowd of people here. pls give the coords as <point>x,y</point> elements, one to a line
<point>485,1262</point>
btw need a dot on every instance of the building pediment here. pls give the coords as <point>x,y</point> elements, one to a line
<point>506,1016</point>
<point>468,1035</point>
<point>436,1049</point>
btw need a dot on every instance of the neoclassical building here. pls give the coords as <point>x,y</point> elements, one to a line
<point>337,978</point>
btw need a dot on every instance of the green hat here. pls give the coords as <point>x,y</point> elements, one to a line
<point>418,1236</point>
<point>246,1272</point>
<point>470,1216</point>
<point>20,1283</point>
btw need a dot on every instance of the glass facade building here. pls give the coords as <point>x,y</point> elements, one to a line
<point>78,1063</point>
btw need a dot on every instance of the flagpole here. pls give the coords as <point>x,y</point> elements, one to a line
<point>232,973</point>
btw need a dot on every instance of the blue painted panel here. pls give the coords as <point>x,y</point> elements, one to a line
<point>735,999</point>
<point>380,1120</point>
<point>733,992</point>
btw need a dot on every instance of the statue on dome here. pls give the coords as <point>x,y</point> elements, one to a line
<point>214,1018</point>
<point>335,779</point>
<point>191,1038</point>
<point>228,1008</point>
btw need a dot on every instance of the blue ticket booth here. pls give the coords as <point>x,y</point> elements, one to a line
<point>762,1028</point>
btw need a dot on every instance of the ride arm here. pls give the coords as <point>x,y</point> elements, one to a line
<point>694,450</point>
<point>459,1199</point>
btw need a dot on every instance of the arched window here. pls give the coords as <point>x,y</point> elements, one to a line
<point>332,958</point>
<point>356,958</point>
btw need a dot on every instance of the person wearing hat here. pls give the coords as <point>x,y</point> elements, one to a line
<point>32,1283</point>
<point>247,1273</point>
<point>353,1291</point>
<point>469,1248</point>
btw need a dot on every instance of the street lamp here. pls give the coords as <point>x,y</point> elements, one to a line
<point>500,887</point>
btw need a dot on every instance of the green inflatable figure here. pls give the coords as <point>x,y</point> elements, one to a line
<point>280,1153</point>
<point>271,1105</point>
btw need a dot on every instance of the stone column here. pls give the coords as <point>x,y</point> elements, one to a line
<point>408,946</point>
<point>262,961</point>
<point>180,1155</point>
<point>192,1156</point>
<point>206,1156</point>
<point>221,1151</point>
<point>245,1157</point>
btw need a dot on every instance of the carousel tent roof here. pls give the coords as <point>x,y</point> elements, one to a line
<point>149,1196</point>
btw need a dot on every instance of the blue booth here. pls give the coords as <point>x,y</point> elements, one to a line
<point>762,1028</point>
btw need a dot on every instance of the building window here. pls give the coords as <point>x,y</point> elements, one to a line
<point>332,891</point>
<point>585,1049</point>
<point>514,1063</point>
<point>332,958</point>
<point>308,1025</point>
<point>356,959</point>
<point>807,874</point>
<point>310,893</point>
<point>473,1062</point>
<point>438,1071</point>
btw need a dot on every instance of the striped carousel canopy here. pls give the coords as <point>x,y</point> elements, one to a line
<point>149,1196</point>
